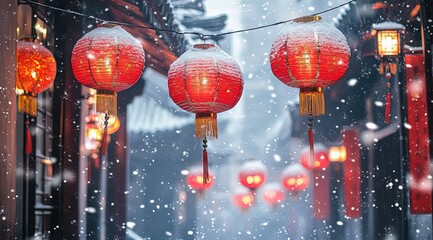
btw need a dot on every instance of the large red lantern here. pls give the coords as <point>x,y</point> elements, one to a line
<point>252,174</point>
<point>110,60</point>
<point>36,70</point>
<point>196,181</point>
<point>273,193</point>
<point>205,80</point>
<point>311,55</point>
<point>321,159</point>
<point>243,198</point>
<point>295,178</point>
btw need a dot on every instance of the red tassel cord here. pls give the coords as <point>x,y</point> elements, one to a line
<point>205,163</point>
<point>105,136</point>
<point>388,104</point>
<point>388,108</point>
<point>311,140</point>
<point>29,146</point>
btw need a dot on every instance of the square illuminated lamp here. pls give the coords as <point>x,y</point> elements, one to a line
<point>388,38</point>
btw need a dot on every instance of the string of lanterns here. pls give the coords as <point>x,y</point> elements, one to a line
<point>308,54</point>
<point>205,80</point>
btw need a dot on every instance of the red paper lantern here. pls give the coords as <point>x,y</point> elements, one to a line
<point>273,193</point>
<point>205,80</point>
<point>110,60</point>
<point>310,54</point>
<point>36,71</point>
<point>252,174</point>
<point>243,199</point>
<point>196,181</point>
<point>295,178</point>
<point>321,159</point>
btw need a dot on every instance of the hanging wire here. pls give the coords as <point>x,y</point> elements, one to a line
<point>199,34</point>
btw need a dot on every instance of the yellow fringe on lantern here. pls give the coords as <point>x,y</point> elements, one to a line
<point>312,101</point>
<point>28,104</point>
<point>106,102</point>
<point>206,125</point>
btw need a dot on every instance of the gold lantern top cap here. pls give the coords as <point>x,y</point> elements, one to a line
<point>307,19</point>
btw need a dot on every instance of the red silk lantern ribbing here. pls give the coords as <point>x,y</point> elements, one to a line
<point>110,60</point>
<point>310,54</point>
<point>205,80</point>
<point>320,161</point>
<point>273,193</point>
<point>295,178</point>
<point>196,181</point>
<point>252,174</point>
<point>36,70</point>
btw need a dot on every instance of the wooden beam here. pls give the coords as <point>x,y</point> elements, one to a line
<point>8,8</point>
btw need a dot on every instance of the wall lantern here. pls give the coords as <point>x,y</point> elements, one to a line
<point>388,47</point>
<point>337,154</point>
<point>36,70</point>
<point>388,38</point>
<point>252,174</point>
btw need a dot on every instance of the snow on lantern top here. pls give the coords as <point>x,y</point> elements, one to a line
<point>309,54</point>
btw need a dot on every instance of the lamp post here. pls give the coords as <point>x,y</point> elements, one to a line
<point>389,43</point>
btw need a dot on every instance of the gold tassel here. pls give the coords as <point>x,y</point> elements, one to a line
<point>206,125</point>
<point>106,102</point>
<point>312,101</point>
<point>28,104</point>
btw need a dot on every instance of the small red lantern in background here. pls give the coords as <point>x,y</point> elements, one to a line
<point>36,71</point>
<point>310,54</point>
<point>243,198</point>
<point>252,174</point>
<point>273,193</point>
<point>110,60</point>
<point>321,159</point>
<point>96,120</point>
<point>295,178</point>
<point>196,181</point>
<point>205,80</point>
